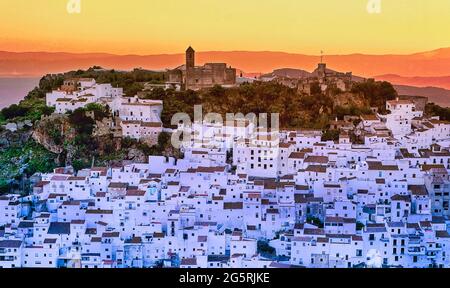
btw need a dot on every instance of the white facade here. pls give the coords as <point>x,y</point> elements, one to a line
<point>140,118</point>
<point>384,203</point>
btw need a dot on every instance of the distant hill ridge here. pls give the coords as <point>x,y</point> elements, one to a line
<point>289,73</point>
<point>436,95</point>
<point>429,70</point>
<point>298,74</point>
<point>434,63</point>
<point>438,81</point>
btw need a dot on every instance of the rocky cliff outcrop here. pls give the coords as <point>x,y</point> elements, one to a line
<point>52,131</point>
<point>59,135</point>
<point>348,99</point>
<point>11,139</point>
<point>136,155</point>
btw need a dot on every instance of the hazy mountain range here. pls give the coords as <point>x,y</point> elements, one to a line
<point>427,64</point>
<point>427,69</point>
<point>436,95</point>
<point>438,81</point>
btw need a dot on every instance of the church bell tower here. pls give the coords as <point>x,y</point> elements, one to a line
<point>190,58</point>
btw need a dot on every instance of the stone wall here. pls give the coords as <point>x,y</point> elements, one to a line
<point>419,101</point>
<point>209,75</point>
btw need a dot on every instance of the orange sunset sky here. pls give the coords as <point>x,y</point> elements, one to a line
<point>168,26</point>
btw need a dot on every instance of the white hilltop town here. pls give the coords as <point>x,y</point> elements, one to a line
<point>242,197</point>
<point>138,118</point>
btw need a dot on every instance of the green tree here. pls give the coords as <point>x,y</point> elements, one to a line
<point>315,221</point>
<point>265,249</point>
<point>377,92</point>
<point>82,123</point>
<point>359,226</point>
<point>330,135</point>
<point>432,109</point>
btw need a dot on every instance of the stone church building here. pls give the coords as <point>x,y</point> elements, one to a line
<point>198,77</point>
